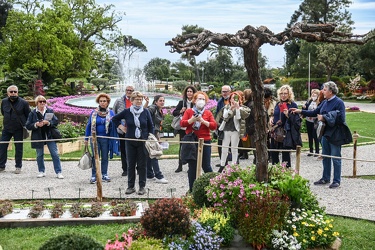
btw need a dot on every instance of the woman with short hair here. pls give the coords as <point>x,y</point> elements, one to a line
<point>40,122</point>
<point>100,123</point>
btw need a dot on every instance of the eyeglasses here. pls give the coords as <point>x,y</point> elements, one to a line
<point>13,91</point>
<point>284,93</point>
<point>224,91</point>
<point>130,90</point>
<point>44,101</point>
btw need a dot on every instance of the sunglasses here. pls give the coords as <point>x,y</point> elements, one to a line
<point>42,101</point>
<point>13,91</point>
<point>130,90</point>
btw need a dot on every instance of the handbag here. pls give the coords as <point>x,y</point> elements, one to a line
<point>86,160</point>
<point>319,126</point>
<point>153,147</point>
<point>26,133</point>
<point>278,133</point>
<point>176,122</point>
<point>55,133</point>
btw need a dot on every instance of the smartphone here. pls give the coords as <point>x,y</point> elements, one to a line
<point>196,115</point>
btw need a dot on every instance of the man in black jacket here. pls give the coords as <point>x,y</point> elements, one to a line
<point>15,111</point>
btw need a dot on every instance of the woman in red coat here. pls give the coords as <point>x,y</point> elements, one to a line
<point>199,121</point>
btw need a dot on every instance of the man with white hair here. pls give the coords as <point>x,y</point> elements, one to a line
<point>15,111</point>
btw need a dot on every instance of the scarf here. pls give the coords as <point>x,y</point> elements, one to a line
<point>93,119</point>
<point>197,124</point>
<point>188,103</point>
<point>136,111</point>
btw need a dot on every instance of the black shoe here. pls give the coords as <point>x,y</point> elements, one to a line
<point>244,156</point>
<point>218,165</point>
<point>2,169</point>
<point>221,169</point>
<point>321,182</point>
<point>130,191</point>
<point>310,154</point>
<point>334,185</point>
<point>141,191</point>
<point>178,170</point>
<point>124,173</point>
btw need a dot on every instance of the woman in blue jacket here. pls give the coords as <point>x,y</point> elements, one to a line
<point>100,123</point>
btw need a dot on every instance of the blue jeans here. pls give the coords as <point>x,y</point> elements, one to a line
<point>52,147</point>
<point>136,155</point>
<point>103,151</point>
<point>153,169</point>
<point>206,165</point>
<point>6,136</point>
<point>333,150</point>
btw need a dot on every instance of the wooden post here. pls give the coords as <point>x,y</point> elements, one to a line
<point>199,157</point>
<point>298,159</point>
<point>99,188</point>
<point>355,138</point>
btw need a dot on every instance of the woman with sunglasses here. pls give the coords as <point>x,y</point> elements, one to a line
<point>40,122</point>
<point>100,123</point>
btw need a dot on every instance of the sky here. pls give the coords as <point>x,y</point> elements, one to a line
<point>154,22</point>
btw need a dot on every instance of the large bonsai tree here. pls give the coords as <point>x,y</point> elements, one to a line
<point>250,39</point>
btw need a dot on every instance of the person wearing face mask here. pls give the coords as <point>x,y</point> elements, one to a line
<point>199,121</point>
<point>15,111</point>
<point>138,124</point>
<point>311,105</point>
<point>233,124</point>
<point>100,123</point>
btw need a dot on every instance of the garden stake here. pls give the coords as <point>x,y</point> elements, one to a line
<point>171,190</point>
<point>79,193</point>
<point>32,194</point>
<point>49,189</point>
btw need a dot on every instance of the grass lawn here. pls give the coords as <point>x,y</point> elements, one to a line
<point>355,234</point>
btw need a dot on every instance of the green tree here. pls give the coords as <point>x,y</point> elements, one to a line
<point>157,69</point>
<point>332,58</point>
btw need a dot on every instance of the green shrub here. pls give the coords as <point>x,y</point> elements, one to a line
<point>71,241</point>
<point>199,192</point>
<point>166,217</point>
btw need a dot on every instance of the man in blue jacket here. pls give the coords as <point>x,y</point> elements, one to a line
<point>332,112</point>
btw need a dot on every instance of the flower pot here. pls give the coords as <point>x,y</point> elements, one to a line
<point>66,147</point>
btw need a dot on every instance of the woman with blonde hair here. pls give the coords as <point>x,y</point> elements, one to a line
<point>40,122</point>
<point>311,105</point>
<point>233,123</point>
<point>281,119</point>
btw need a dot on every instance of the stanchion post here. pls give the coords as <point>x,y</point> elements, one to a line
<point>355,138</point>
<point>99,188</point>
<point>298,159</point>
<point>199,157</point>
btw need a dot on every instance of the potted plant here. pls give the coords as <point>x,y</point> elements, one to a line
<point>36,210</point>
<point>75,209</point>
<point>6,207</point>
<point>58,210</point>
<point>125,208</point>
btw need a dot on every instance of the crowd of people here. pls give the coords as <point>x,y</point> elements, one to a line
<point>124,129</point>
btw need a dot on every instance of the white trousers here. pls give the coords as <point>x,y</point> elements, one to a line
<point>232,138</point>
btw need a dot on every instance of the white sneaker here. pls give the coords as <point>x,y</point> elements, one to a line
<point>162,181</point>
<point>60,176</point>
<point>41,174</point>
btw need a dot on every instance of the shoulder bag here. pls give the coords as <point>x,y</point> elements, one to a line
<point>55,133</point>
<point>26,132</point>
<point>278,133</point>
<point>86,160</point>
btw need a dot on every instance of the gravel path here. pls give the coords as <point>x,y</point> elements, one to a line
<point>355,197</point>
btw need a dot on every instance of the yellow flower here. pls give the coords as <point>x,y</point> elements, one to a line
<point>295,234</point>
<point>320,231</point>
<point>313,238</point>
<point>335,234</point>
<point>326,229</point>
